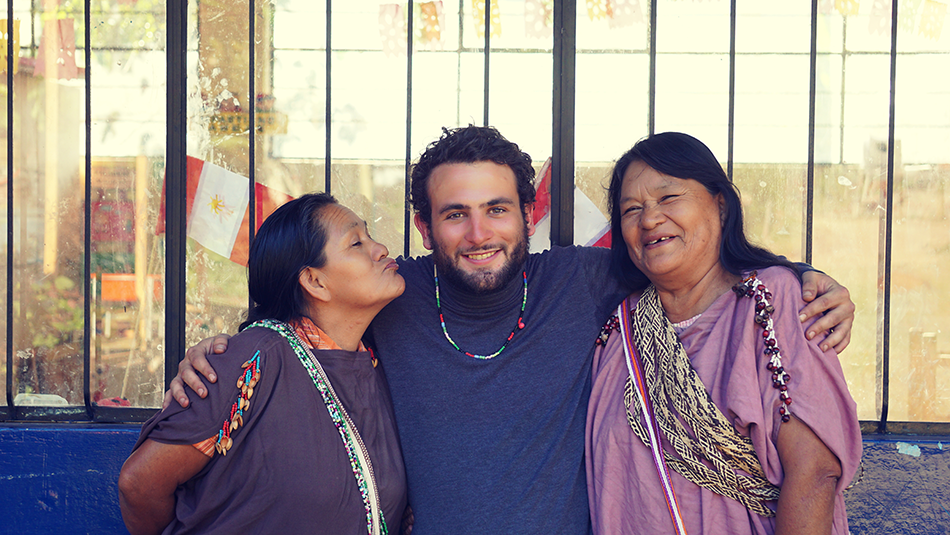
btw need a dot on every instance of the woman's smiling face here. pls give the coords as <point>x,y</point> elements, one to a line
<point>672,226</point>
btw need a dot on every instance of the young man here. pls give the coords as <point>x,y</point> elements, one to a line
<point>488,351</point>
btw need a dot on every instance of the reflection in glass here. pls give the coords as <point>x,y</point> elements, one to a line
<point>612,95</point>
<point>920,314</point>
<point>850,178</point>
<point>126,256</point>
<point>218,128</point>
<point>48,215</point>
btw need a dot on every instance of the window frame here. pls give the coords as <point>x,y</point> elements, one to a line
<point>563,164</point>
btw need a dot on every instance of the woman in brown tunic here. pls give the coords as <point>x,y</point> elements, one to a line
<point>300,436</point>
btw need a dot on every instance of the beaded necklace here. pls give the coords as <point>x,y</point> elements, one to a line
<point>518,326</point>
<point>352,442</point>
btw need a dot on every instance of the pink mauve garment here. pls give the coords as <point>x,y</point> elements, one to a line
<point>725,347</point>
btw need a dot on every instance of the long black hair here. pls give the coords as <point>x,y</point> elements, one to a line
<point>290,240</point>
<point>683,156</point>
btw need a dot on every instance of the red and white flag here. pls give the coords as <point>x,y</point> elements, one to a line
<point>217,209</point>
<point>591,228</point>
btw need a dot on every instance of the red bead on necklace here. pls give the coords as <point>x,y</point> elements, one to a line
<point>518,326</point>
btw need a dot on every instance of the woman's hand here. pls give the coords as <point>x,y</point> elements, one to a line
<point>148,481</point>
<point>807,503</point>
<point>196,360</point>
<point>825,295</point>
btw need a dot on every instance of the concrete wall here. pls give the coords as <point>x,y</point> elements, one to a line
<point>62,479</point>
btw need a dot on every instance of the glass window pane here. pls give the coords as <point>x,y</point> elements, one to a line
<point>48,215</point>
<point>368,127</point>
<point>216,285</point>
<point>447,85</point>
<point>771,121</point>
<point>920,318</point>
<point>850,174</point>
<point>126,256</point>
<point>611,102</point>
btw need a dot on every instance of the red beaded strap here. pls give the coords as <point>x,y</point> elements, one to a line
<point>752,287</point>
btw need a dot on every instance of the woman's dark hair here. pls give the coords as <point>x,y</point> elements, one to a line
<point>683,156</point>
<point>469,144</point>
<point>291,239</point>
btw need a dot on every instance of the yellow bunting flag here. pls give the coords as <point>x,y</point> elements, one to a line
<point>478,14</point>
<point>433,20</point>
<point>3,45</point>
<point>932,18</point>
<point>847,7</point>
<point>597,9</point>
<point>907,13</point>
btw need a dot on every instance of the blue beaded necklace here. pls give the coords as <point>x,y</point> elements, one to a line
<point>518,326</point>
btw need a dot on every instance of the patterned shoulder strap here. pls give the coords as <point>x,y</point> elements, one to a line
<point>352,442</point>
<point>639,386</point>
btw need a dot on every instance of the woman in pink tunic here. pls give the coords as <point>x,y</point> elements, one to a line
<point>756,429</point>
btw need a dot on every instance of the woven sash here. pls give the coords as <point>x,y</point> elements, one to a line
<point>708,450</point>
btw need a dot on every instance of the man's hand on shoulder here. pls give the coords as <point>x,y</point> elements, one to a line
<point>825,296</point>
<point>194,363</point>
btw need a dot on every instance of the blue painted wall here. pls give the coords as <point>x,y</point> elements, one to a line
<point>62,479</point>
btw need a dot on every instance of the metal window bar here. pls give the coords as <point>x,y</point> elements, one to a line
<point>486,91</point>
<point>407,210</point>
<point>252,125</point>
<point>888,225</point>
<point>731,119</point>
<point>175,187</point>
<point>562,161</point>
<point>87,217</point>
<point>651,91</point>
<point>9,410</point>
<point>328,113</point>
<point>810,167</point>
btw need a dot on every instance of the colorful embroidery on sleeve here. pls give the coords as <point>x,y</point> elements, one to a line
<point>246,382</point>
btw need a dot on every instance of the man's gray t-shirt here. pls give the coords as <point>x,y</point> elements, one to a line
<point>497,446</point>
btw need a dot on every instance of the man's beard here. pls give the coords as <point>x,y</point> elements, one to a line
<point>481,282</point>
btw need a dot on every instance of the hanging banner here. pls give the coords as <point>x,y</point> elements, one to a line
<point>932,19</point>
<point>538,18</point>
<point>624,13</point>
<point>478,14</point>
<point>392,30</point>
<point>432,20</point>
<point>907,12</point>
<point>64,44</point>
<point>217,210</point>
<point>598,9</point>
<point>880,20</point>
